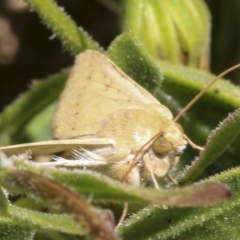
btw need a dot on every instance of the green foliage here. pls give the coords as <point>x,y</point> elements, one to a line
<point>166,29</point>
<point>73,38</point>
<point>152,42</point>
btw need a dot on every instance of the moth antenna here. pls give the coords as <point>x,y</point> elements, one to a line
<point>142,149</point>
<point>184,110</point>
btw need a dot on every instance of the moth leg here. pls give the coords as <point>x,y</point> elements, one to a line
<point>192,144</point>
<point>156,185</point>
<point>149,166</point>
<point>155,166</point>
<point>118,170</point>
<point>123,216</point>
<point>170,178</point>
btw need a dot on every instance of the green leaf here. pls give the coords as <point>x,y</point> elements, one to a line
<point>197,223</point>
<point>131,56</point>
<point>73,38</point>
<point>180,85</point>
<point>38,128</point>
<point>105,188</point>
<point>38,221</point>
<point>183,83</point>
<point>166,27</point>
<point>3,201</point>
<point>29,105</point>
<point>218,141</point>
<point>57,196</point>
<point>11,231</point>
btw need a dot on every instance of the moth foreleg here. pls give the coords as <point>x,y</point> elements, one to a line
<point>155,166</point>
<point>118,170</point>
<point>170,178</point>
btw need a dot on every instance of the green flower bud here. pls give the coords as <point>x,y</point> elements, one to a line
<point>174,30</point>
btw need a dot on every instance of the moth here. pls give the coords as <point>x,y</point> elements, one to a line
<point>105,120</point>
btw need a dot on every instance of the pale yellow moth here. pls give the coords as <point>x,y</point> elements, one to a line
<point>110,117</point>
<point>105,120</point>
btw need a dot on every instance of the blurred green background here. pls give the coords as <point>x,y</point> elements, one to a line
<point>28,50</point>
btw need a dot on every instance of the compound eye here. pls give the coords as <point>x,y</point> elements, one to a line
<point>161,145</point>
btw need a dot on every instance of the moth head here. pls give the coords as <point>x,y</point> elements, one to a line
<point>166,142</point>
<point>162,145</point>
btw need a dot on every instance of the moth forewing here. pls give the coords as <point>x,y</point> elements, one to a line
<point>95,89</point>
<point>51,147</point>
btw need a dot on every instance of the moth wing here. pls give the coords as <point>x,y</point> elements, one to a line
<point>56,146</point>
<point>96,87</point>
